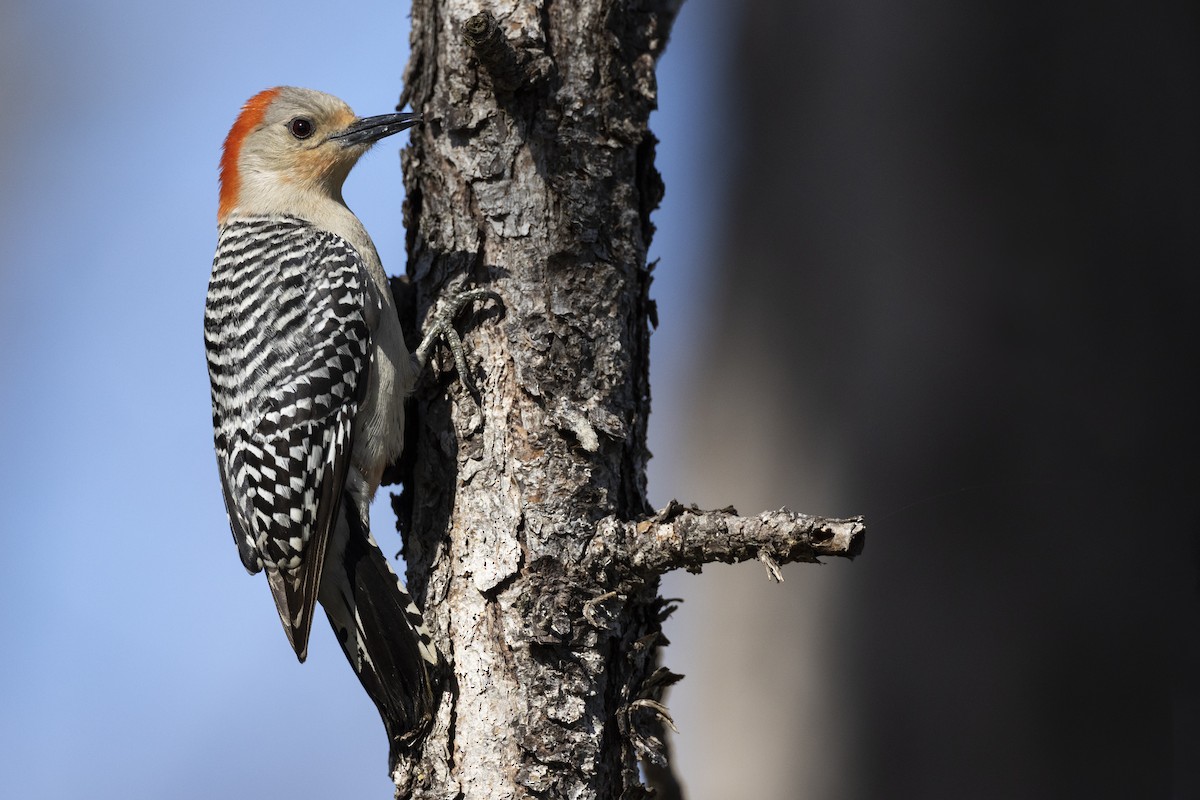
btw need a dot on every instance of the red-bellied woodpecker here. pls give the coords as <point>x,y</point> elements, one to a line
<point>309,373</point>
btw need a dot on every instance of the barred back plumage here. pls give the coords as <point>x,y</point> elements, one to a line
<point>287,351</point>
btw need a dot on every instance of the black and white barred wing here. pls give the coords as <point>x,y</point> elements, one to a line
<point>288,342</point>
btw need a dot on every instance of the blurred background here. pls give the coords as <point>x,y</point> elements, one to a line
<point>934,263</point>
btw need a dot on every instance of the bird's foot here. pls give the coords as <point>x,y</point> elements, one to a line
<point>442,328</point>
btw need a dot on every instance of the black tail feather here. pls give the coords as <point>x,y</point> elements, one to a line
<point>381,632</point>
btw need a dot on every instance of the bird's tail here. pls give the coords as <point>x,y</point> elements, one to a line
<point>381,631</point>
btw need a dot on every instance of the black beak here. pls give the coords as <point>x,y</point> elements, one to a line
<point>372,129</point>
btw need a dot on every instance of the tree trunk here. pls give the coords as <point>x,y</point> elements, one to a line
<point>531,546</point>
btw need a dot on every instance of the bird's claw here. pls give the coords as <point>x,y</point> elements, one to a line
<point>442,327</point>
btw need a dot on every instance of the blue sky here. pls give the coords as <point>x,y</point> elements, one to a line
<point>139,660</point>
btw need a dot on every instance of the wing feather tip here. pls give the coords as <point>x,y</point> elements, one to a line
<point>295,612</point>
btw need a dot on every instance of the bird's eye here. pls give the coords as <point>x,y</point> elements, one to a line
<point>301,128</point>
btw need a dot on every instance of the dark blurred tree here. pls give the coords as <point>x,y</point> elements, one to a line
<point>958,294</point>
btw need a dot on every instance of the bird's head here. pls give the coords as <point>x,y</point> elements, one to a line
<point>290,144</point>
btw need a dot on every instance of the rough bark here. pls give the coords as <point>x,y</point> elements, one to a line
<point>530,542</point>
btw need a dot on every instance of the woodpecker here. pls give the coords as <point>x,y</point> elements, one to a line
<point>309,371</point>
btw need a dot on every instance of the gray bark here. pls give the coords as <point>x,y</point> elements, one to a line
<point>530,542</point>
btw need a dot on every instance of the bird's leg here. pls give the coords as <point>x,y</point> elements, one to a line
<point>442,327</point>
